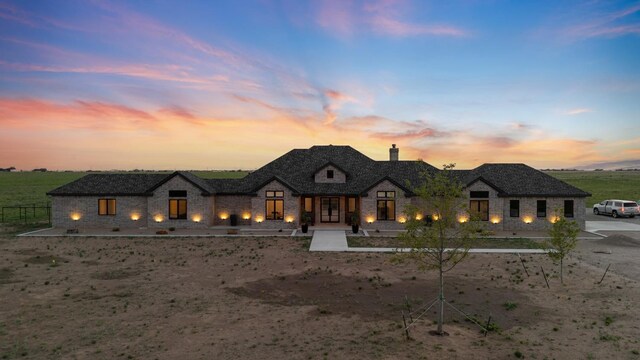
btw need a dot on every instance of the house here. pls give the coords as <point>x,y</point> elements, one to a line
<point>328,182</point>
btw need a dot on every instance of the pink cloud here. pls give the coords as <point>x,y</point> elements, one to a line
<point>384,17</point>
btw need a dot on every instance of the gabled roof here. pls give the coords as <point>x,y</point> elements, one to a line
<point>331,163</point>
<point>296,170</point>
<point>189,177</point>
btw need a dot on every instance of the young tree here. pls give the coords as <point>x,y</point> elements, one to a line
<point>444,242</point>
<point>564,238</point>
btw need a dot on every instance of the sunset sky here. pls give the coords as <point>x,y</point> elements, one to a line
<point>235,84</point>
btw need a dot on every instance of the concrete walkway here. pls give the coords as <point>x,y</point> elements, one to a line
<point>329,240</point>
<point>594,226</point>
<point>336,241</point>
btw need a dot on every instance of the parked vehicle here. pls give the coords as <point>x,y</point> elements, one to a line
<point>617,208</point>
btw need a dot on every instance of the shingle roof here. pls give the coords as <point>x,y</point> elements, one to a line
<point>520,180</point>
<point>110,184</point>
<point>296,170</point>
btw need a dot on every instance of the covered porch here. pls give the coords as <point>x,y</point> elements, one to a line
<point>329,210</point>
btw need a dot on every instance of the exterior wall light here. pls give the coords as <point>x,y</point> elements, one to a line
<point>418,217</point>
<point>554,219</point>
<point>370,220</point>
<point>289,219</point>
<point>435,217</point>
<point>224,215</point>
<point>158,218</point>
<point>135,216</point>
<point>246,215</point>
<point>495,220</point>
<point>197,218</point>
<point>463,219</point>
<point>527,219</point>
<point>75,216</point>
<point>259,219</point>
<point>402,220</point>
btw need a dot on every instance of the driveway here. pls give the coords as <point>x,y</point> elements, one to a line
<point>621,249</point>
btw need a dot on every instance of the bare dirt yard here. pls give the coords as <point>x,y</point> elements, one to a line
<point>269,298</point>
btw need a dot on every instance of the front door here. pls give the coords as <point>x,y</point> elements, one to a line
<point>330,210</point>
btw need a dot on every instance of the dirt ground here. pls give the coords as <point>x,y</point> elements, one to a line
<point>269,298</point>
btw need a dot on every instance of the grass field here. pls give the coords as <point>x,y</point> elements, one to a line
<point>603,184</point>
<point>27,188</point>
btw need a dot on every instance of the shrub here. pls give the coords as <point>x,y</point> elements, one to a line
<point>162,232</point>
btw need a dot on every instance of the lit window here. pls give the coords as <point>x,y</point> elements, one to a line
<point>274,205</point>
<point>387,207</point>
<point>106,206</point>
<point>178,209</point>
<point>479,209</point>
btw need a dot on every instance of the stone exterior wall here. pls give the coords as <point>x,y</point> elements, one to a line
<point>496,210</point>
<point>338,176</point>
<point>369,205</point>
<point>227,205</point>
<point>528,209</point>
<point>198,206</point>
<point>85,208</point>
<point>291,208</point>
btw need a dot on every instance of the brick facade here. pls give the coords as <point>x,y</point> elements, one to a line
<point>199,208</point>
<point>85,209</point>
<point>291,208</point>
<point>369,203</point>
<point>227,205</point>
<point>338,176</point>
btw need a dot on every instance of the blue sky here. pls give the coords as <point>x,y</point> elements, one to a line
<point>234,84</point>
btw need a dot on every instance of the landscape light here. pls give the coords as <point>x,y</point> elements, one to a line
<point>75,216</point>
<point>158,218</point>
<point>224,215</point>
<point>289,219</point>
<point>527,219</point>
<point>418,216</point>
<point>435,217</point>
<point>463,219</point>
<point>370,220</point>
<point>246,215</point>
<point>259,219</point>
<point>196,218</point>
<point>495,220</point>
<point>135,217</point>
<point>402,220</point>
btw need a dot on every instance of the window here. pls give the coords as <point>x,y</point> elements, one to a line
<point>542,208</point>
<point>178,209</point>
<point>351,204</point>
<point>386,208</point>
<point>274,205</point>
<point>479,194</point>
<point>277,194</point>
<point>514,208</point>
<point>479,209</point>
<point>329,174</point>
<point>308,204</point>
<point>568,208</point>
<point>177,193</point>
<point>106,206</point>
<point>386,194</point>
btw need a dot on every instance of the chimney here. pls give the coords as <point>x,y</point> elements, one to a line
<point>393,153</point>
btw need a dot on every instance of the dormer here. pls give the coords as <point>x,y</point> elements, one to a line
<point>330,173</point>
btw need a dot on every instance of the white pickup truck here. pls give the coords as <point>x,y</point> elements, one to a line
<point>617,208</point>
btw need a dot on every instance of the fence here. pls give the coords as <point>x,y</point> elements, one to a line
<point>25,211</point>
